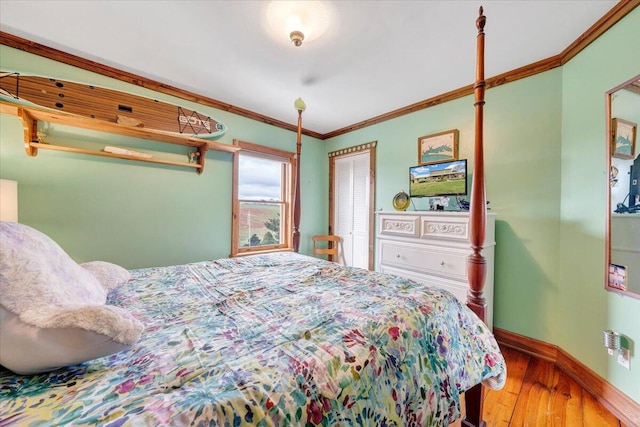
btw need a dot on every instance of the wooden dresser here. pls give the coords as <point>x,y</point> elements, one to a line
<point>432,247</point>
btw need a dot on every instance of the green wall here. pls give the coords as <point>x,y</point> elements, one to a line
<point>546,179</point>
<point>140,214</point>
<point>522,169</point>
<point>585,308</point>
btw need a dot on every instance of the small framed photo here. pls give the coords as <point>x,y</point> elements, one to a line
<point>439,147</point>
<point>623,138</point>
<point>618,277</point>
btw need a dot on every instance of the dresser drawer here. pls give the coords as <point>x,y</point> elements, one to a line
<point>432,248</point>
<point>439,261</point>
<point>445,228</point>
<point>399,225</point>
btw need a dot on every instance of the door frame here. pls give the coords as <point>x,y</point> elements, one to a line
<point>369,147</point>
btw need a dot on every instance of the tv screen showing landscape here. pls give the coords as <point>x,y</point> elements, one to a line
<point>440,179</point>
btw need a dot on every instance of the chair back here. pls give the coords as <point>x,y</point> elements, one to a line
<point>326,244</point>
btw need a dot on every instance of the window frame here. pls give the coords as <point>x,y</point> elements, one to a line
<point>286,221</point>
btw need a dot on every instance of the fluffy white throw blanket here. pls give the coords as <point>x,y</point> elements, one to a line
<point>41,284</point>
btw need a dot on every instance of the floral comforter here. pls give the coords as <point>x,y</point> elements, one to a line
<point>271,340</point>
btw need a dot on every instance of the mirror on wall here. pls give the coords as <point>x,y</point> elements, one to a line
<point>623,234</point>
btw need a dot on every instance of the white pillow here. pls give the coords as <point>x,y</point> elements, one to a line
<point>110,276</point>
<point>52,310</point>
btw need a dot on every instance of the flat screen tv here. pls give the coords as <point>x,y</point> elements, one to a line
<point>439,179</point>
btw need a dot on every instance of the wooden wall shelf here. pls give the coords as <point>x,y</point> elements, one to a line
<point>30,117</point>
<point>45,146</point>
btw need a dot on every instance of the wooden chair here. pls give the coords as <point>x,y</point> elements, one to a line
<point>331,249</point>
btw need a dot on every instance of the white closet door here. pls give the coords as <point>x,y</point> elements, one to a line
<point>352,208</point>
<point>360,228</point>
<point>343,188</point>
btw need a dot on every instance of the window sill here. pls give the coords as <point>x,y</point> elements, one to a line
<point>257,252</point>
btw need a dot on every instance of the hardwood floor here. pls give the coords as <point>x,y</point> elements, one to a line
<point>539,394</point>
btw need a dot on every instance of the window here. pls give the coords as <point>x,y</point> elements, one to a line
<point>262,198</point>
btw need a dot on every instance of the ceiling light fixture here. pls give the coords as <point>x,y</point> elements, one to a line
<point>296,38</point>
<point>299,20</point>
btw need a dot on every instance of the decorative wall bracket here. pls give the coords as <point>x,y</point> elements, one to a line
<point>31,116</point>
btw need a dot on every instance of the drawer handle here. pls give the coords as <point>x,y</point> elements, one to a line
<point>441,262</point>
<point>398,256</point>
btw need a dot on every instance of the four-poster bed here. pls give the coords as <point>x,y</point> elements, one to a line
<point>268,340</point>
<point>476,263</point>
<point>300,107</point>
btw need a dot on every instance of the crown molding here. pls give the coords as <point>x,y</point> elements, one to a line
<point>105,70</point>
<point>619,11</point>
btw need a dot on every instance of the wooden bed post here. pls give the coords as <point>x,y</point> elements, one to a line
<point>476,264</point>
<point>300,106</point>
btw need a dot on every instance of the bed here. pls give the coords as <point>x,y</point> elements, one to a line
<point>270,340</point>
<point>273,340</point>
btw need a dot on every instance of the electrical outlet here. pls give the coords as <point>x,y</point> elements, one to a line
<point>623,358</point>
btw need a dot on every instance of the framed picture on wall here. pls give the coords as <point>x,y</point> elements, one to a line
<point>438,147</point>
<point>623,138</point>
<point>618,277</point>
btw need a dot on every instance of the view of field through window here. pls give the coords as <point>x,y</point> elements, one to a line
<point>260,195</point>
<point>261,220</point>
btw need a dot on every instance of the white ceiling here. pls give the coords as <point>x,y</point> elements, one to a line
<point>375,57</point>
